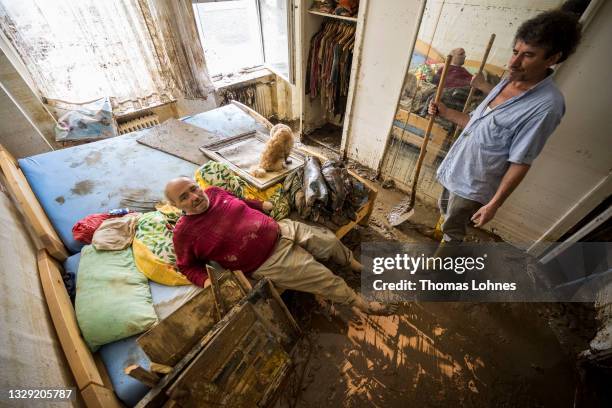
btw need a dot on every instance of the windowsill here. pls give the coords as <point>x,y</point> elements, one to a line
<point>128,114</point>
<point>241,78</point>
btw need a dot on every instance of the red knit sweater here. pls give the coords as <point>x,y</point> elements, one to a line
<point>232,232</point>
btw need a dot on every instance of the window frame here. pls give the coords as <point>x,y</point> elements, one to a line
<point>290,18</point>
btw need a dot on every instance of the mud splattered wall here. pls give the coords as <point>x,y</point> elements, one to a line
<point>18,135</point>
<point>390,27</point>
<point>449,24</point>
<point>26,128</point>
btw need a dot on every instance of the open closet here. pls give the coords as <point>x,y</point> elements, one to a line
<point>328,54</point>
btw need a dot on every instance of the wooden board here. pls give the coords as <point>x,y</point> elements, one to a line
<point>30,207</point>
<point>433,150</point>
<point>92,380</point>
<point>156,397</point>
<point>438,138</point>
<point>493,69</point>
<point>97,396</point>
<point>438,134</point>
<point>180,139</point>
<point>77,353</point>
<point>269,310</point>
<point>235,368</point>
<point>171,339</point>
<point>255,115</point>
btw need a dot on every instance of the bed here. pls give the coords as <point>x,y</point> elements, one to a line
<point>53,190</point>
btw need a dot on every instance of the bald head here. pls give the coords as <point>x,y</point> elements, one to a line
<point>185,194</point>
<point>458,56</point>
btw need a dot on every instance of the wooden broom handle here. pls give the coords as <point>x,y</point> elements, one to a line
<point>472,89</point>
<point>415,180</point>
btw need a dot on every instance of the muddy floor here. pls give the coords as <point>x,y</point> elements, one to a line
<point>434,354</point>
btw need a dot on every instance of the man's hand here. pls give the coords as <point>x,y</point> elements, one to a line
<point>437,109</point>
<point>484,214</point>
<point>513,177</point>
<point>479,82</point>
<point>206,283</point>
<point>267,206</point>
<point>458,118</point>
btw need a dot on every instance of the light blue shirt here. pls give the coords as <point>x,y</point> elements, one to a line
<point>513,132</point>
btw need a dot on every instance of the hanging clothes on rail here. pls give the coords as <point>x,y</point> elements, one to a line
<point>329,66</point>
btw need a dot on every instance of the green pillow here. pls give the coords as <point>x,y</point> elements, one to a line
<point>113,299</point>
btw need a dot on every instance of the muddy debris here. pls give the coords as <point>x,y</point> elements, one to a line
<point>83,187</point>
<point>433,354</point>
<point>388,183</point>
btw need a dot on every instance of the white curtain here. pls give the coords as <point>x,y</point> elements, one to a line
<point>83,50</point>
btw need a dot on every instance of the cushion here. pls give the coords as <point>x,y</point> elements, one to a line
<point>113,299</point>
<point>220,175</point>
<point>153,247</point>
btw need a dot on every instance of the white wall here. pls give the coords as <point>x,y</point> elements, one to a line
<point>449,24</point>
<point>390,27</point>
<point>574,168</point>
<point>26,128</point>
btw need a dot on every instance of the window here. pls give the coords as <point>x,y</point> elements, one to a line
<point>240,34</point>
<point>229,32</point>
<point>81,51</point>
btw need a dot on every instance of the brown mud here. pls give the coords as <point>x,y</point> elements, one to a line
<point>434,354</point>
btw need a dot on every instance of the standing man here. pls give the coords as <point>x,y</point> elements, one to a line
<point>507,131</point>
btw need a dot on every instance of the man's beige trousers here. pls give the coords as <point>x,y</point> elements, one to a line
<point>293,264</point>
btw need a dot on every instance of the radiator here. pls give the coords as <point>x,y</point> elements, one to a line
<point>258,97</point>
<point>142,122</point>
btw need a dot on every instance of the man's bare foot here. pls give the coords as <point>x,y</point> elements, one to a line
<point>355,265</point>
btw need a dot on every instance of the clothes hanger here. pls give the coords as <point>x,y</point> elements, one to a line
<point>350,32</point>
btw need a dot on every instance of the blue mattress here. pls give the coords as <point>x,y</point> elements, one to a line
<point>75,182</point>
<point>416,60</point>
<point>123,353</point>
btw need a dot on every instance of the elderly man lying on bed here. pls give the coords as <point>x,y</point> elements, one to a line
<point>238,235</point>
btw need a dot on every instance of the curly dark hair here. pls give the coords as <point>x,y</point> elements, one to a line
<point>554,30</point>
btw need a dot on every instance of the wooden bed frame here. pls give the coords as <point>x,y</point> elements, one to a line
<point>89,372</point>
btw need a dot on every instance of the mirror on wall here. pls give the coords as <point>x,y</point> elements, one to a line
<point>464,31</point>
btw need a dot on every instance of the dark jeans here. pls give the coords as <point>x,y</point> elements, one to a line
<point>457,212</point>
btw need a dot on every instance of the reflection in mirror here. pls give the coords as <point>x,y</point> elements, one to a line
<point>464,31</point>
